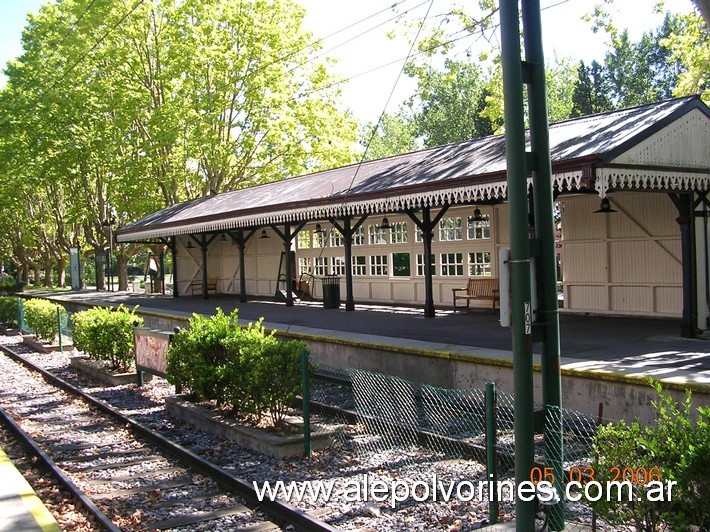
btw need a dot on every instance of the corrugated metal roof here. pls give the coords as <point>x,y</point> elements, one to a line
<point>464,171</point>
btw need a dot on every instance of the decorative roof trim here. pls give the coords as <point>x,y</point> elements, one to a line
<point>608,178</point>
<point>452,195</point>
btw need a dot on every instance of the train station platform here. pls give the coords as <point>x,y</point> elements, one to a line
<point>603,359</point>
<point>20,508</point>
<point>626,345</point>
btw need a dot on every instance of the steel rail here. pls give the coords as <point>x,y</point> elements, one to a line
<point>281,512</point>
<point>56,471</point>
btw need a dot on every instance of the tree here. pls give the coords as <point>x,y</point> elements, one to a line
<point>559,80</point>
<point>668,61</point>
<point>395,134</point>
<point>116,109</point>
<point>591,92</point>
<point>450,103</point>
<point>641,72</point>
<point>689,46</point>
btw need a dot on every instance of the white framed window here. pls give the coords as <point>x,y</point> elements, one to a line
<point>359,265</point>
<point>320,266</point>
<point>479,229</point>
<point>378,265</point>
<point>398,235</point>
<point>335,239</point>
<point>418,236</point>
<point>420,264</point>
<point>305,265</point>
<point>479,264</point>
<point>359,237</point>
<point>320,239</point>
<point>401,266</point>
<point>338,265</point>
<point>304,240</point>
<point>450,229</point>
<point>452,264</point>
<point>376,235</point>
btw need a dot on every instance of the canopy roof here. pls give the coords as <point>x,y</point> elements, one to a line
<point>464,172</point>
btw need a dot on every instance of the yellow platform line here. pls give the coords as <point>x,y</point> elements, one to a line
<point>15,484</point>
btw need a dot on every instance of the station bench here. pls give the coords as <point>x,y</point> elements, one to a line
<point>195,287</point>
<point>479,289</point>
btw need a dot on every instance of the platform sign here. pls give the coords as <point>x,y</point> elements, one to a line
<point>75,268</point>
<point>505,295</point>
<point>504,285</point>
<point>151,347</point>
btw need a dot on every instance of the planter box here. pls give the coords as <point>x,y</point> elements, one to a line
<point>44,347</point>
<point>99,371</point>
<point>252,438</point>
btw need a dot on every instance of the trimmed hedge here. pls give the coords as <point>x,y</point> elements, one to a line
<point>244,368</point>
<point>8,310</point>
<point>107,334</point>
<point>41,317</point>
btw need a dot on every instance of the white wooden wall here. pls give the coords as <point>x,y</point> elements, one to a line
<point>628,262</point>
<point>625,263</point>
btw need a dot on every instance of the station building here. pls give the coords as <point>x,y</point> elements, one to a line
<point>631,192</point>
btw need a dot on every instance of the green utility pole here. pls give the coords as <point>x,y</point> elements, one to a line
<point>548,317</point>
<point>521,311</point>
<point>515,73</point>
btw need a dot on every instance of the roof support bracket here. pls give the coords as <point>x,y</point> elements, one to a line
<point>527,72</point>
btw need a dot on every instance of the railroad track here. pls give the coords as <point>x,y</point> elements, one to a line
<point>125,474</point>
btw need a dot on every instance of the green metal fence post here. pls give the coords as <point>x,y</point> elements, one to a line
<point>521,310</point>
<point>306,393</point>
<point>59,328</point>
<point>491,443</point>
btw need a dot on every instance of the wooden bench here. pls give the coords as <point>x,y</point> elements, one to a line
<point>485,289</point>
<point>195,287</point>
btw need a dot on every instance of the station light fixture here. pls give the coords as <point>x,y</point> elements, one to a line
<point>605,207</point>
<point>477,216</point>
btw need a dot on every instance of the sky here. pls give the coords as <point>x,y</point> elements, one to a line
<point>376,85</point>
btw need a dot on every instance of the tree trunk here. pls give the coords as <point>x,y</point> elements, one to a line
<point>48,271</point>
<point>122,261</point>
<point>36,268</point>
<point>101,276</point>
<point>24,274</point>
<point>61,272</point>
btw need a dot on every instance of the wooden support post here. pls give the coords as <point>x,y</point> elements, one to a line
<point>348,230</point>
<point>684,204</point>
<point>426,225</point>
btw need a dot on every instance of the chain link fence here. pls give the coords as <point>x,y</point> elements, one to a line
<point>406,425</point>
<point>66,328</point>
<point>64,325</point>
<point>21,323</point>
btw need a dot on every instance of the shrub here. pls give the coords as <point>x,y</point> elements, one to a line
<point>41,317</point>
<point>274,373</point>
<point>198,355</point>
<point>8,310</point>
<point>10,286</point>
<point>107,334</point>
<point>244,368</point>
<point>676,448</point>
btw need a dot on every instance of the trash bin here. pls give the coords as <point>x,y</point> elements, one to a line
<point>331,292</point>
